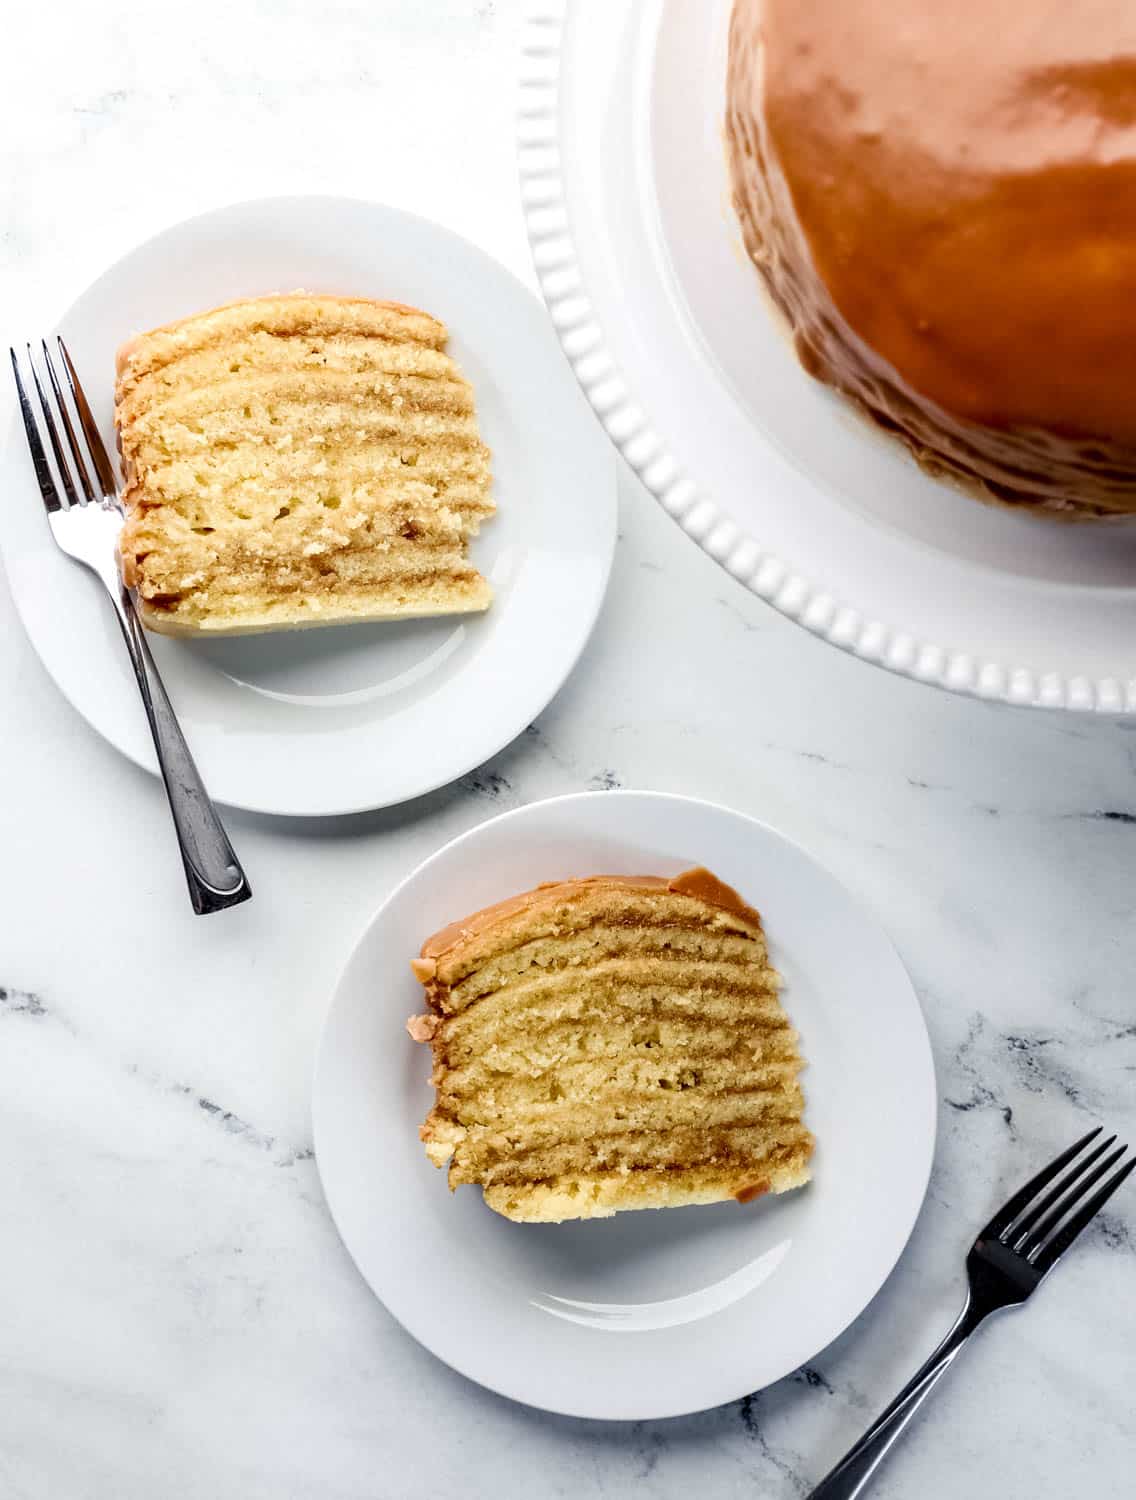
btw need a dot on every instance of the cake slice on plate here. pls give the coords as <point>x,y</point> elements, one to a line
<point>611,1043</point>
<point>299,460</point>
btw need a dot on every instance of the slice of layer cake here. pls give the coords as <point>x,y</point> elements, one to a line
<point>611,1043</point>
<point>299,460</point>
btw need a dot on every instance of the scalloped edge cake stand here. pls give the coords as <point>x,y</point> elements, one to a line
<point>612,396</point>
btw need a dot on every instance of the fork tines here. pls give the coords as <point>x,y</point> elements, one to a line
<point>1041,1228</point>
<point>75,494</point>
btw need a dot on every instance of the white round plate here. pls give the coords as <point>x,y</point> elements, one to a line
<point>626,194</point>
<point>648,1314</point>
<point>346,718</point>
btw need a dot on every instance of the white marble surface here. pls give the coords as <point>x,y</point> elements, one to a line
<point>177,1316</point>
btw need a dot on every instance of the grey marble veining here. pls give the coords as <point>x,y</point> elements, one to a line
<point>177,1315</point>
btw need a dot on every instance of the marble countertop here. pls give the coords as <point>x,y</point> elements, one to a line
<point>177,1314</point>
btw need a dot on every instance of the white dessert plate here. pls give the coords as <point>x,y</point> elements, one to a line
<point>341,719</point>
<point>652,1313</point>
<point>626,194</point>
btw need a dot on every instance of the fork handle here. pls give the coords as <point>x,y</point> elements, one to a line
<point>212,870</point>
<point>850,1476</point>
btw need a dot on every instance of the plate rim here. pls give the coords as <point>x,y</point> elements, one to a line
<point>144,758</point>
<point>540,145</point>
<point>459,1365</point>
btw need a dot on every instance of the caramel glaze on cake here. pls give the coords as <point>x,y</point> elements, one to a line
<point>942,200</point>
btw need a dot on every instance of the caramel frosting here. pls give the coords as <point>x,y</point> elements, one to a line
<point>698,883</point>
<point>942,200</point>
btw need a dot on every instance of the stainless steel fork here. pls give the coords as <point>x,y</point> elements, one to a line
<point>1007,1263</point>
<point>87,528</point>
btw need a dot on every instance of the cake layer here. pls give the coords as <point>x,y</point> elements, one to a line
<point>299,461</point>
<point>261,352</point>
<point>611,1043</point>
<point>598,1196</point>
<point>747,1150</point>
<point>294,315</point>
<point>530,1051</point>
<point>942,201</point>
<point>252,602</point>
<point>692,994</point>
<point>594,910</point>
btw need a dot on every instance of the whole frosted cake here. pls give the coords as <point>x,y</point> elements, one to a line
<point>942,200</point>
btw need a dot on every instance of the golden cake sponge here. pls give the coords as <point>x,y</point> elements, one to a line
<point>611,1043</point>
<point>298,460</point>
